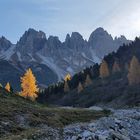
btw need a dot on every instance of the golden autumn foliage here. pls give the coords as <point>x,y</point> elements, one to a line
<point>8,87</point>
<point>104,70</point>
<point>66,87</point>
<point>80,87</point>
<point>28,85</point>
<point>67,77</point>
<point>88,81</point>
<point>134,72</point>
<point>116,67</point>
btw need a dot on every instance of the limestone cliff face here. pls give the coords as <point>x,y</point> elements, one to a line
<point>4,44</point>
<point>103,43</point>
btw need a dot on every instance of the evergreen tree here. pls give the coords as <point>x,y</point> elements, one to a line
<point>134,72</point>
<point>88,81</point>
<point>126,66</point>
<point>8,87</point>
<point>95,71</point>
<point>11,89</point>
<point>80,87</point>
<point>104,70</point>
<point>28,85</point>
<point>116,67</point>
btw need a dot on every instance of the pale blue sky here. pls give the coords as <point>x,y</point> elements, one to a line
<point>59,17</point>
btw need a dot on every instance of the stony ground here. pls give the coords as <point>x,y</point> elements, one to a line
<point>121,125</point>
<point>24,120</point>
<point>21,119</point>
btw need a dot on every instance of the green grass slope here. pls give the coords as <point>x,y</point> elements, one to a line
<point>20,118</point>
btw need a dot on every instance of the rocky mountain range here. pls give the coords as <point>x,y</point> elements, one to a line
<point>52,59</point>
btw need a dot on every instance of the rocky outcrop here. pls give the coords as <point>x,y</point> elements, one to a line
<point>31,42</point>
<point>12,73</point>
<point>103,43</point>
<point>72,55</point>
<point>75,42</point>
<point>121,125</point>
<point>4,44</point>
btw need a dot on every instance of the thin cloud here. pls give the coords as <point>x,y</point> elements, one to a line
<point>59,17</point>
<point>125,19</point>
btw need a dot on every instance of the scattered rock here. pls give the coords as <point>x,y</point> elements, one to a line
<point>121,125</point>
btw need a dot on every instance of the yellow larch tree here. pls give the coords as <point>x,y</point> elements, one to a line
<point>116,67</point>
<point>8,87</point>
<point>80,87</point>
<point>29,86</point>
<point>134,72</point>
<point>104,70</point>
<point>67,77</point>
<point>88,81</point>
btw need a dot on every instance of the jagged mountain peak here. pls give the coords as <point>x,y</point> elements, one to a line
<point>4,44</point>
<point>31,31</point>
<point>121,37</point>
<point>67,36</point>
<point>32,34</point>
<point>99,29</point>
<point>103,43</point>
<point>4,39</point>
<point>99,33</point>
<point>67,39</point>
<point>73,37</point>
<point>69,56</point>
<point>53,42</point>
<point>76,35</point>
<point>51,38</point>
<point>74,41</point>
<point>31,41</point>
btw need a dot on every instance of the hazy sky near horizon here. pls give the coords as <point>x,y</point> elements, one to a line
<point>59,17</point>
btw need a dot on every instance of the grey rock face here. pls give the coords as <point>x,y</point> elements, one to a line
<point>75,42</point>
<point>103,43</point>
<point>31,41</point>
<point>4,44</point>
<point>70,56</point>
<point>75,53</point>
<point>10,72</point>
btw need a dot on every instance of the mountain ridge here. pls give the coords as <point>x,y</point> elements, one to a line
<point>75,53</point>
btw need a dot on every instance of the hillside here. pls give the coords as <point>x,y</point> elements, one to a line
<point>22,119</point>
<point>113,91</point>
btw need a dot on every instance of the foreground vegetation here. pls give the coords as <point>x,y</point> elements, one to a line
<point>20,118</point>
